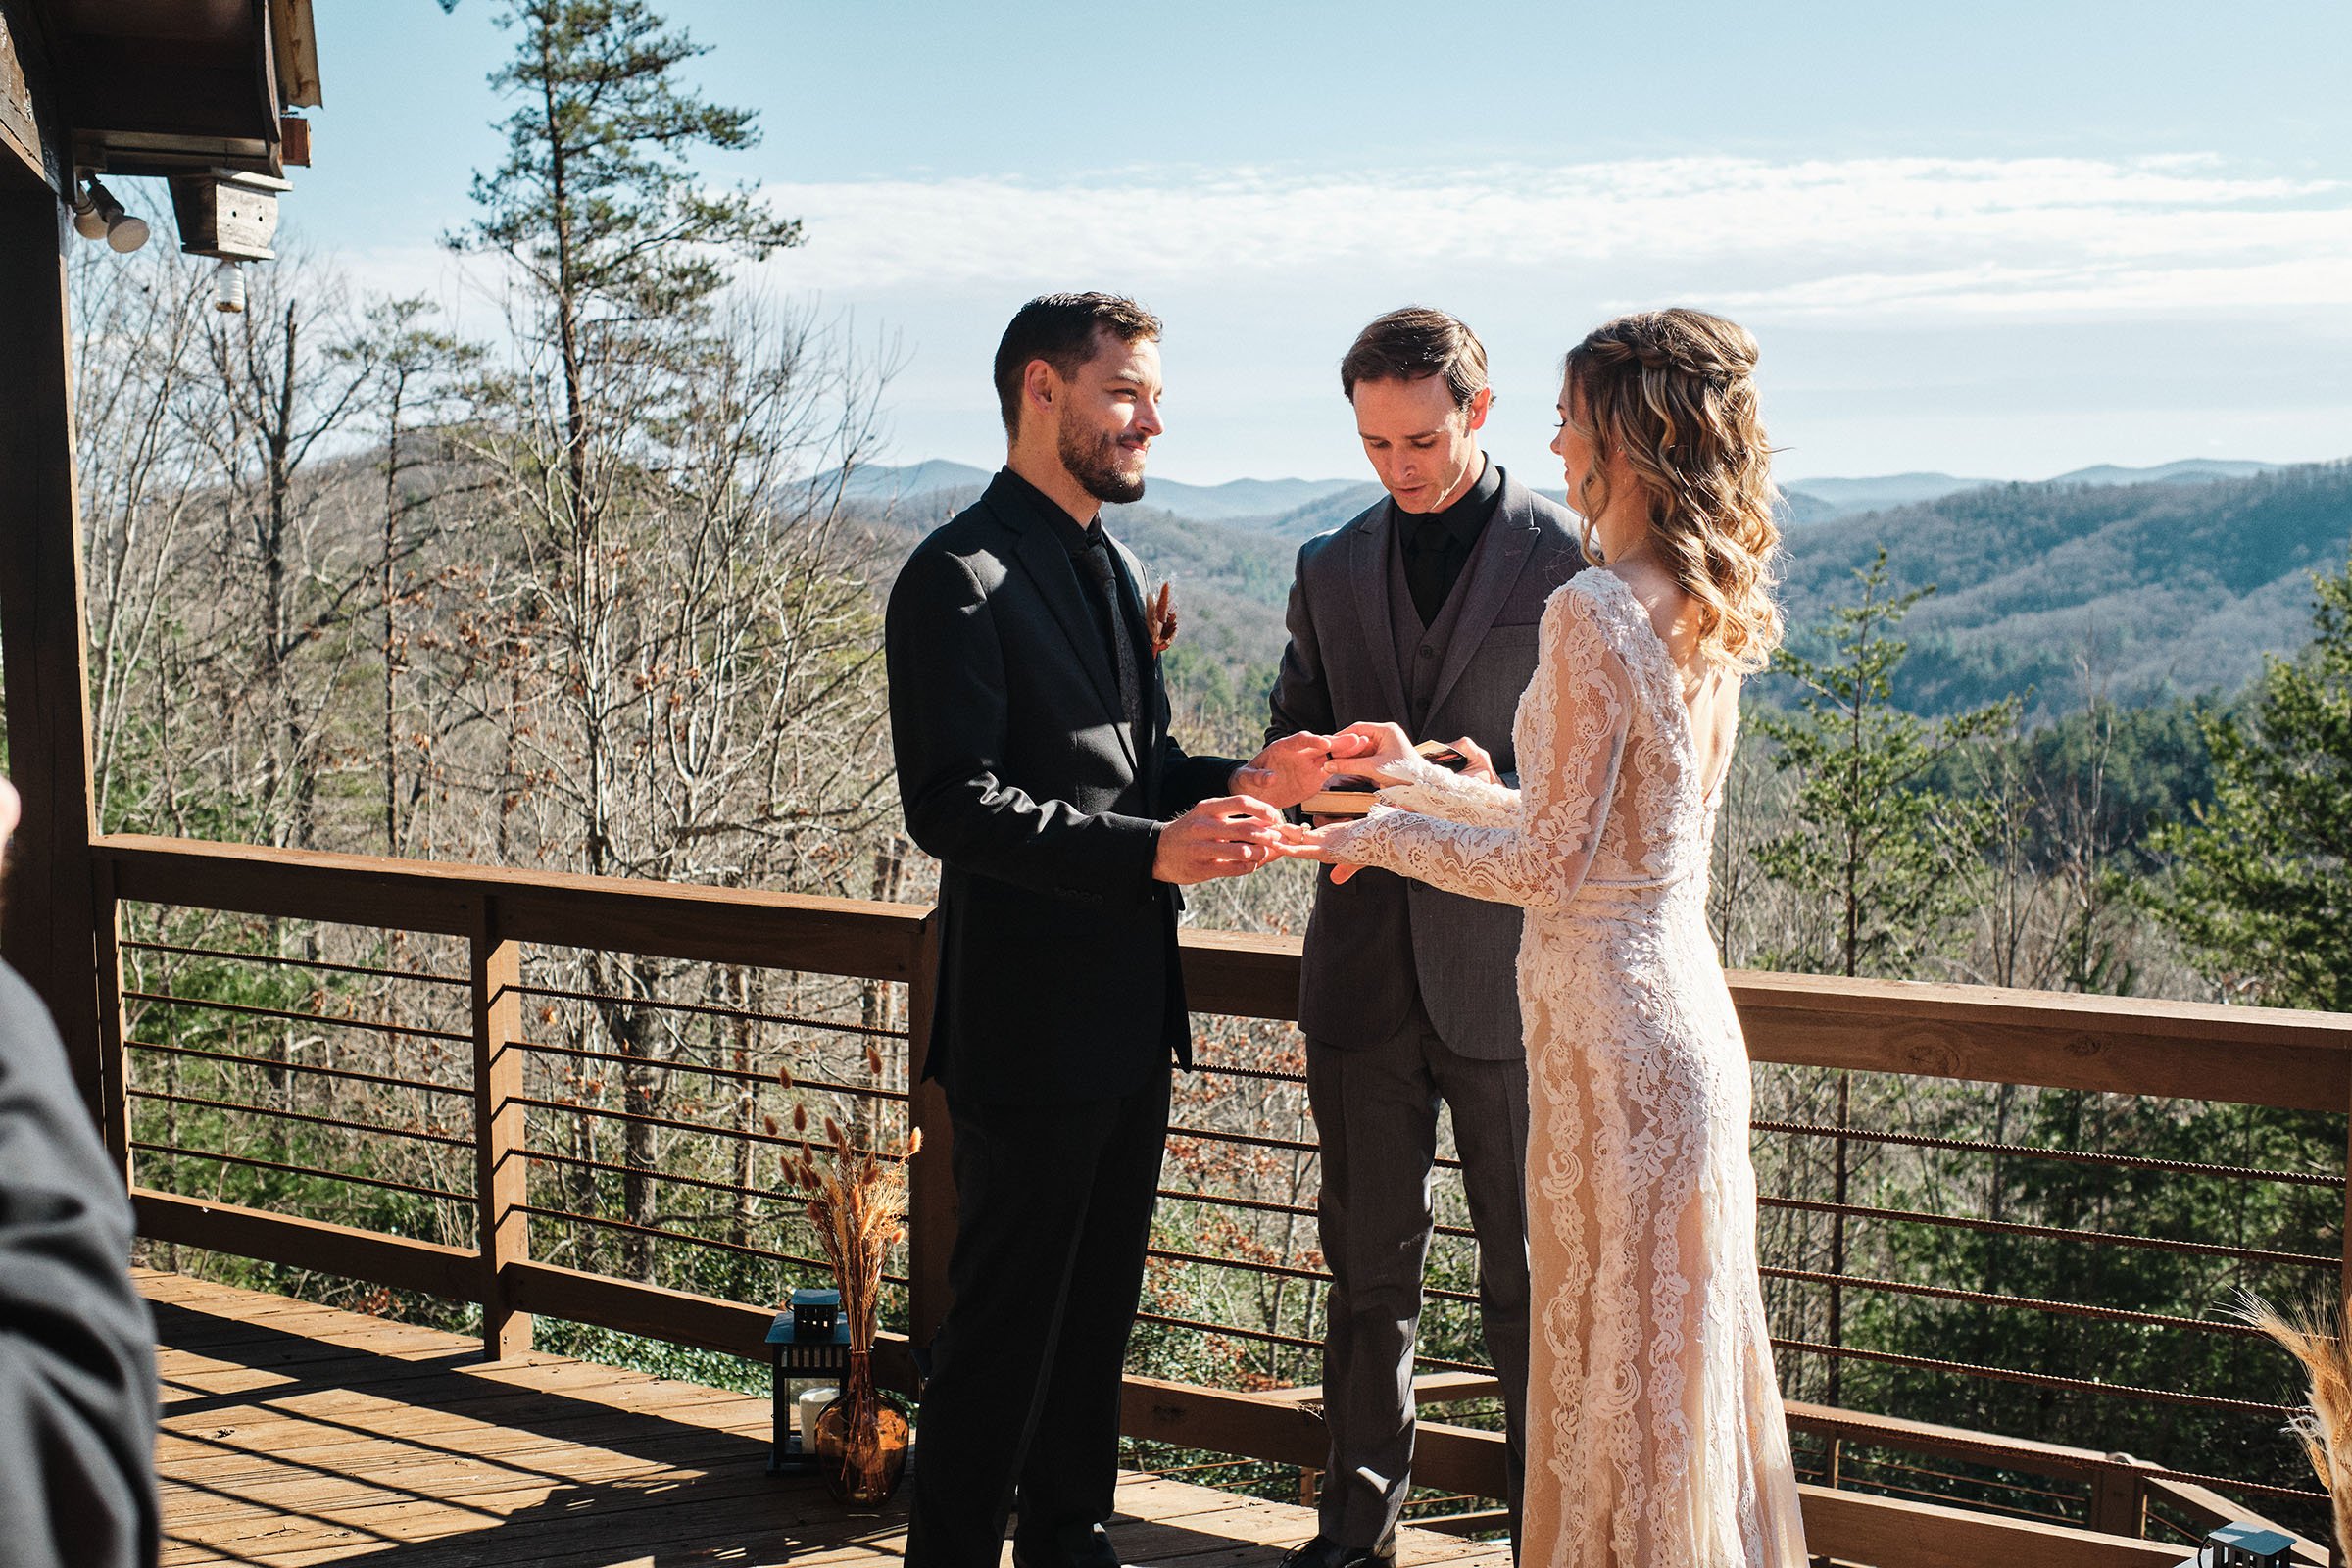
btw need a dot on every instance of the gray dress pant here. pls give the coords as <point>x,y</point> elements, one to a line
<point>1376,1114</point>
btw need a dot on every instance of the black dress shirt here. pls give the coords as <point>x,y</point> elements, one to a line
<point>1078,538</point>
<point>1436,545</point>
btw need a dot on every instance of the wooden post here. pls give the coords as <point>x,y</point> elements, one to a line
<point>113,1058</point>
<point>2344,1280</point>
<point>46,919</point>
<point>2118,1502</point>
<point>931,1185</point>
<point>501,1181</point>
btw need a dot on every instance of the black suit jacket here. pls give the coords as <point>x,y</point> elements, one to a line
<point>1058,971</point>
<point>76,1344</point>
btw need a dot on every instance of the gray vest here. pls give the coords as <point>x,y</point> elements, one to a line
<point>1421,651</point>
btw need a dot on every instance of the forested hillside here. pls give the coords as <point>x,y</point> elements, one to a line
<point>2055,591</point>
<point>2145,593</point>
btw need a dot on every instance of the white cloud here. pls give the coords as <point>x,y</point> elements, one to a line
<point>1909,236</point>
<point>2166,304</point>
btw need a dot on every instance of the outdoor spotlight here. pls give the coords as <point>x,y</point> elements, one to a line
<point>229,288</point>
<point>103,215</point>
<point>88,221</point>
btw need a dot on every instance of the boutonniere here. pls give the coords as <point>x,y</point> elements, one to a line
<point>1159,618</point>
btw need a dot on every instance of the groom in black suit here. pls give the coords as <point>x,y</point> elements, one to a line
<point>1035,762</point>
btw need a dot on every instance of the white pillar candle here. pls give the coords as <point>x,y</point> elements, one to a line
<point>811,1405</point>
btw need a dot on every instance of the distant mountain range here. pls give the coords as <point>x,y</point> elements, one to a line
<point>1304,508</point>
<point>1210,502</point>
<point>1819,500</point>
<point>2138,581</point>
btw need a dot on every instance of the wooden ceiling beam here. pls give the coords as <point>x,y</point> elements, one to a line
<point>24,140</point>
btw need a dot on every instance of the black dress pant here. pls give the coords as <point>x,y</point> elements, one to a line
<point>1053,1212</point>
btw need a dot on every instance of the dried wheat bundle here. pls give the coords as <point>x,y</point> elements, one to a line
<point>2314,1337</point>
<point>857,1202</point>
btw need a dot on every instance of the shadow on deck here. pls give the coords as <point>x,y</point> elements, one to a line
<point>296,1434</point>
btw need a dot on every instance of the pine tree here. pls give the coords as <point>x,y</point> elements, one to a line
<point>1872,840</point>
<point>639,434</point>
<point>2261,887</point>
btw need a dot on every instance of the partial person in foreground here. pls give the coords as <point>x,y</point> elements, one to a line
<point>77,1403</point>
<point>1655,1432</point>
<point>1419,611</point>
<point>1034,762</point>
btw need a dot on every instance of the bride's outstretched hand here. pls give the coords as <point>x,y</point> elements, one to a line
<point>1314,844</point>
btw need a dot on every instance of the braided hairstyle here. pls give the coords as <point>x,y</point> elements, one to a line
<point>1674,391</point>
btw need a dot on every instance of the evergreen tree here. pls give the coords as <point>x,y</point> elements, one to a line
<point>1872,839</point>
<point>1873,843</point>
<point>2262,881</point>
<point>677,615</point>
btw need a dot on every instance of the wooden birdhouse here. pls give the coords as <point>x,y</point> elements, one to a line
<point>226,215</point>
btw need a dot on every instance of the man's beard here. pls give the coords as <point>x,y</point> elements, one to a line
<point>1093,461</point>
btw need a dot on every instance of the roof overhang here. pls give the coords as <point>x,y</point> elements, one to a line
<point>161,87</point>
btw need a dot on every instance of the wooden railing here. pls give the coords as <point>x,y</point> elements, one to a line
<point>2098,1504</point>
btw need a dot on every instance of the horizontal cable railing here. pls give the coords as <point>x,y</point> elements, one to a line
<point>568,1096</point>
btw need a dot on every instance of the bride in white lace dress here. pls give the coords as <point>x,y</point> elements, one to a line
<point>1655,1436</point>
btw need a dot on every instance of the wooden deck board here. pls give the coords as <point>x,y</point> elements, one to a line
<point>296,1435</point>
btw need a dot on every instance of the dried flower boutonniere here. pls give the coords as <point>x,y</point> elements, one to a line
<point>1159,618</point>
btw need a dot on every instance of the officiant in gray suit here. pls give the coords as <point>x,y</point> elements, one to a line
<point>1422,610</point>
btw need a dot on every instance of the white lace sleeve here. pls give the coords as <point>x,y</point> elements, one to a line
<point>1434,790</point>
<point>1571,735</point>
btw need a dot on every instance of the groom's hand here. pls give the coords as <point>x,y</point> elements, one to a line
<point>1294,767</point>
<point>1232,835</point>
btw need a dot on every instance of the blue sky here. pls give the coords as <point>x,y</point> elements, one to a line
<point>1994,239</point>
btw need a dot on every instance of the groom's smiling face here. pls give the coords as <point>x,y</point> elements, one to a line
<point>1423,445</point>
<point>1108,415</point>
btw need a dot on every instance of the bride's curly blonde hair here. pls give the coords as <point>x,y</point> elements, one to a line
<point>1675,392</point>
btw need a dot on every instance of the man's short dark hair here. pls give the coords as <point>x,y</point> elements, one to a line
<point>1064,331</point>
<point>1415,342</point>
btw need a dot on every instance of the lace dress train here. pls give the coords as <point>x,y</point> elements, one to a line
<point>1655,1434</point>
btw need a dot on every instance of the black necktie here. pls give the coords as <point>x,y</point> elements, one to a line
<point>1096,557</point>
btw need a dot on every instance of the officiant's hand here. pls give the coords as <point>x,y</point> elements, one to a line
<point>1479,764</point>
<point>1294,767</point>
<point>1231,835</point>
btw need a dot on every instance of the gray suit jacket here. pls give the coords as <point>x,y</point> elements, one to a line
<point>1378,938</point>
<point>76,1343</point>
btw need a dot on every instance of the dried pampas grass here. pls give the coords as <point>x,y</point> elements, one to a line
<point>2313,1335</point>
<point>857,1202</point>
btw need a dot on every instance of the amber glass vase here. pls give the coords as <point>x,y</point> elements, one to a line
<point>861,1439</point>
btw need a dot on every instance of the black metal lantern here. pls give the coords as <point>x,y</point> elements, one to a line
<point>814,1313</point>
<point>807,1348</point>
<point>2244,1546</point>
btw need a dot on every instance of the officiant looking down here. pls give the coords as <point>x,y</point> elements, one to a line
<point>1034,762</point>
<point>1420,612</point>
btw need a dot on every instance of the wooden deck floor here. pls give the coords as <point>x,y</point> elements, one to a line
<point>296,1434</point>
